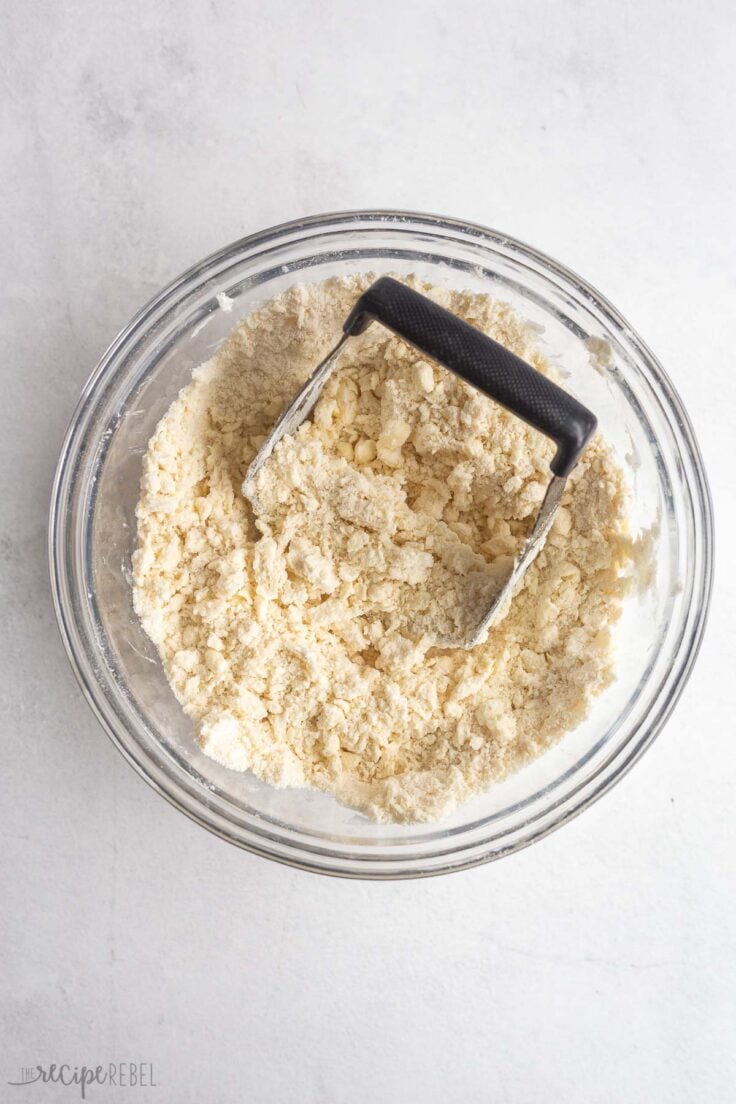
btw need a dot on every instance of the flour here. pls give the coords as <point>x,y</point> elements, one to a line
<point>302,641</point>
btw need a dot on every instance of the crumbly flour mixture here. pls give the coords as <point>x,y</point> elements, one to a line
<point>302,642</point>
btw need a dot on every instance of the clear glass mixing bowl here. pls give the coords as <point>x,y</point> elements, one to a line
<point>92,535</point>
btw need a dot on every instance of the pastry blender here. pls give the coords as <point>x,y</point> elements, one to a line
<point>485,364</point>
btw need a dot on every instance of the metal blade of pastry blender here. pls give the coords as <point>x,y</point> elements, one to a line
<point>289,421</point>
<point>530,548</point>
<point>486,365</point>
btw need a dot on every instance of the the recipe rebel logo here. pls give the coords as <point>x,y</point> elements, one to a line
<point>111,1075</point>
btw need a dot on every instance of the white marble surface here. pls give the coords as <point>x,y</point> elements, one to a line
<point>597,965</point>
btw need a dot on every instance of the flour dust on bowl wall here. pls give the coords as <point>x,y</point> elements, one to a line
<point>303,640</point>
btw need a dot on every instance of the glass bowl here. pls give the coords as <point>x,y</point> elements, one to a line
<point>92,536</point>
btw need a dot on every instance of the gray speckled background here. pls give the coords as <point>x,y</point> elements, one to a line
<point>138,137</point>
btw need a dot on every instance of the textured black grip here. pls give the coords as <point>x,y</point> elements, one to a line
<point>481,361</point>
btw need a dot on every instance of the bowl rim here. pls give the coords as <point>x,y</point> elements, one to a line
<point>638,741</point>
